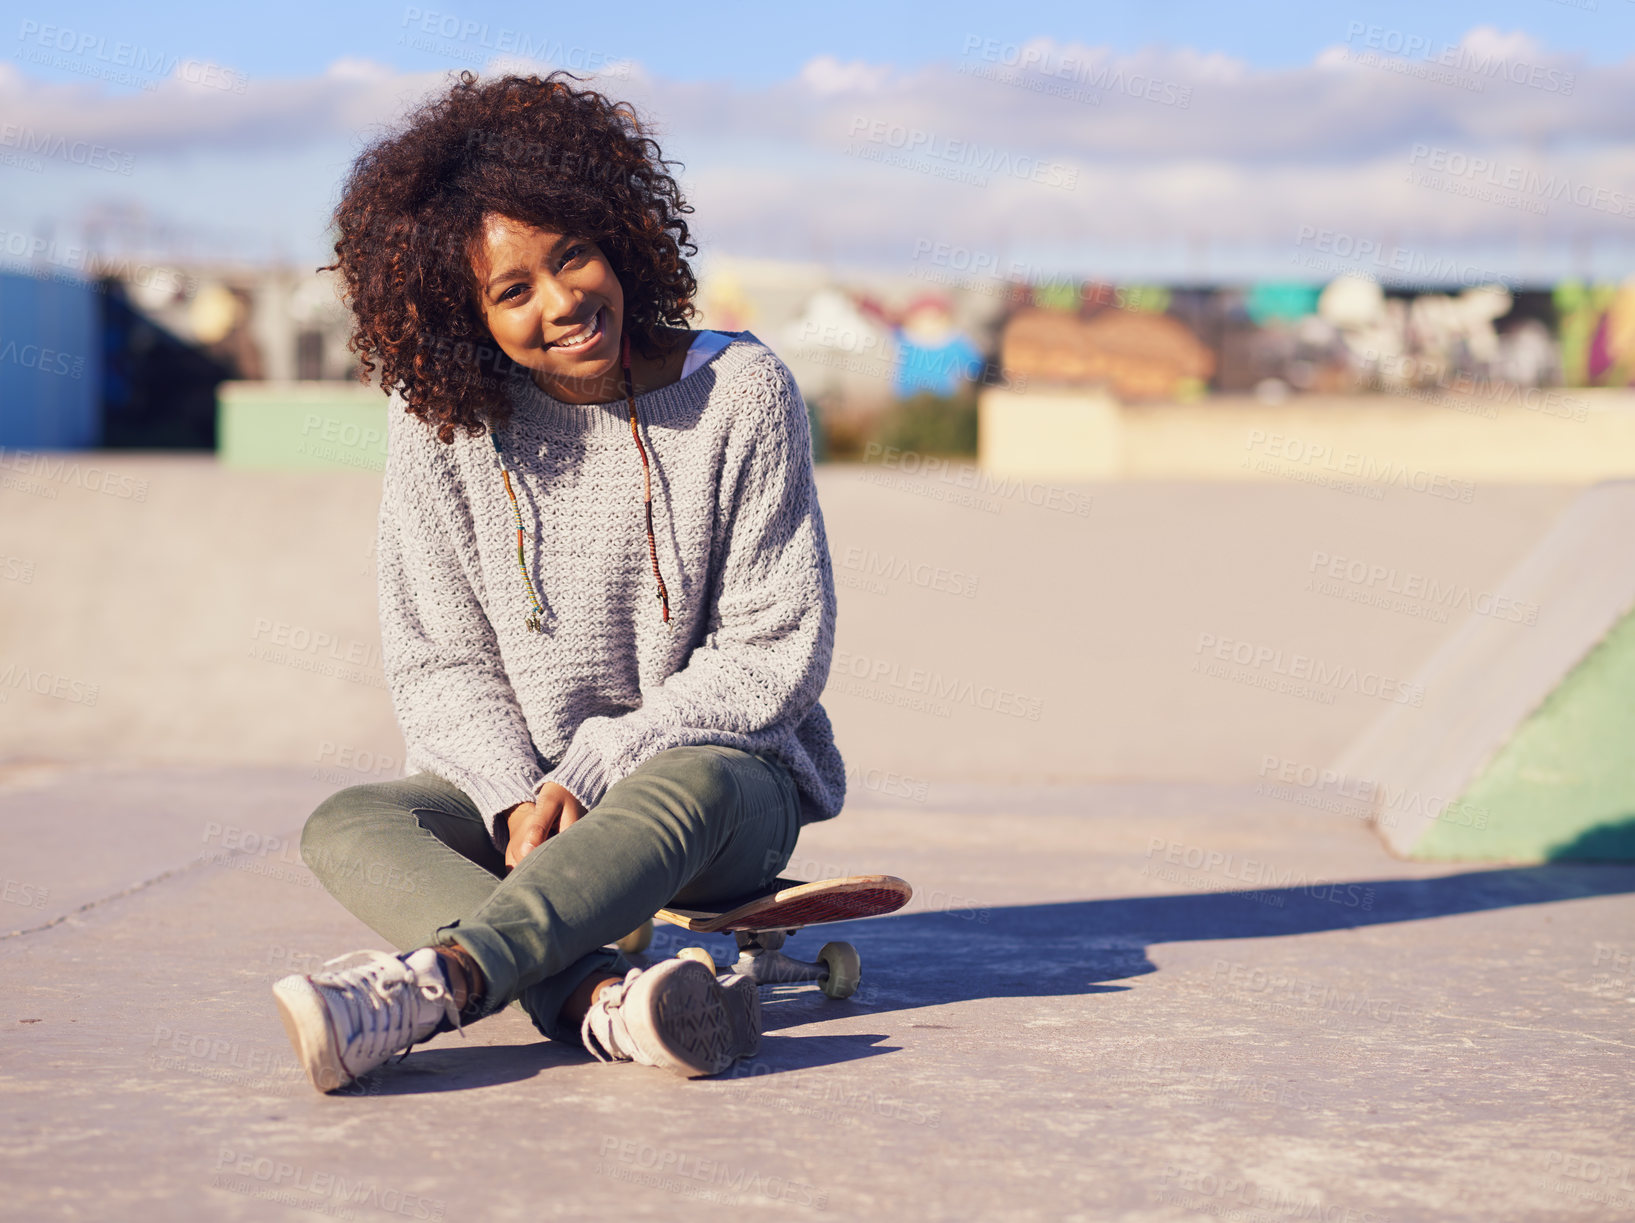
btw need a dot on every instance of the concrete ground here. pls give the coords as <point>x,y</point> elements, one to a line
<point>1139,1001</point>
<point>1143,976</point>
<point>229,616</point>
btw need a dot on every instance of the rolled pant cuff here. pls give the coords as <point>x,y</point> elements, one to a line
<point>542,1001</point>
<point>493,961</point>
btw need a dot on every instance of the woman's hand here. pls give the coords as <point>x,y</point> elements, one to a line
<point>554,810</point>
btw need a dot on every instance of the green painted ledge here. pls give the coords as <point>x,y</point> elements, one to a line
<point>1563,787</point>
<point>301,426</point>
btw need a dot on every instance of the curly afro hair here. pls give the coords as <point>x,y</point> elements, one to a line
<point>537,150</point>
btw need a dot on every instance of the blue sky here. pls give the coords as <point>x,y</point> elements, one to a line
<point>1188,139</point>
<point>756,43</point>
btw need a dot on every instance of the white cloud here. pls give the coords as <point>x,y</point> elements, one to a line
<point>1487,41</point>
<point>1164,142</point>
<point>827,75</point>
<point>357,68</point>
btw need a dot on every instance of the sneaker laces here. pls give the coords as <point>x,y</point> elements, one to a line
<point>603,1032</point>
<point>376,998</point>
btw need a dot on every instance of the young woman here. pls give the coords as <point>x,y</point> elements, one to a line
<point>607,609</point>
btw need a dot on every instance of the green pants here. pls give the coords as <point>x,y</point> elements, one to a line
<point>413,860</point>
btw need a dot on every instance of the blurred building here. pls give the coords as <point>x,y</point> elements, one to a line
<point>116,352</point>
<point>132,353</point>
<point>50,363</point>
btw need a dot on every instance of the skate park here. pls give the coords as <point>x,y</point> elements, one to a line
<point>1163,958</point>
<point>1223,425</point>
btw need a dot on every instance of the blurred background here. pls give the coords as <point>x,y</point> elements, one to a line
<point>1127,330</point>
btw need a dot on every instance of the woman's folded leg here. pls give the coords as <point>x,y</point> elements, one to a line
<point>691,824</point>
<point>406,857</point>
<point>412,859</point>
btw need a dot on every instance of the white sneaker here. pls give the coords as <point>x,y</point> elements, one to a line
<point>675,1015</point>
<point>344,1022</point>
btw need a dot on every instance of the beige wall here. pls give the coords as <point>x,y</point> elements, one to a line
<point>1569,436</point>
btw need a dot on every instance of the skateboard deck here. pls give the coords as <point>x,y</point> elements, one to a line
<point>793,904</point>
<point>761,923</point>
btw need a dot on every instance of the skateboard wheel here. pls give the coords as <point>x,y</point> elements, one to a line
<point>701,954</point>
<point>845,969</point>
<point>639,939</point>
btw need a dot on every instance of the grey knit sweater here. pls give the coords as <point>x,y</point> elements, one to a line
<point>497,709</point>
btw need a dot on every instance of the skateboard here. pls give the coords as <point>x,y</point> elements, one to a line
<point>761,923</point>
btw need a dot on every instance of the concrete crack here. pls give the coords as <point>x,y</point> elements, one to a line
<point>102,900</point>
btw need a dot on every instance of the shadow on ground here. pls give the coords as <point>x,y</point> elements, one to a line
<point>1612,841</point>
<point>1075,947</point>
<point>920,960</point>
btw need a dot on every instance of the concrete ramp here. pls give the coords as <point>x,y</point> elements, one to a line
<point>1522,747</point>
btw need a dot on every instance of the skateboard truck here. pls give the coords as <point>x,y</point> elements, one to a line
<point>761,959</point>
<point>837,969</point>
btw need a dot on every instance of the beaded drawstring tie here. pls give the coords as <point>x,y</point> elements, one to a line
<point>536,618</point>
<point>647,474</point>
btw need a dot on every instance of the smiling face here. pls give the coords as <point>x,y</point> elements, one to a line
<point>553,305</point>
